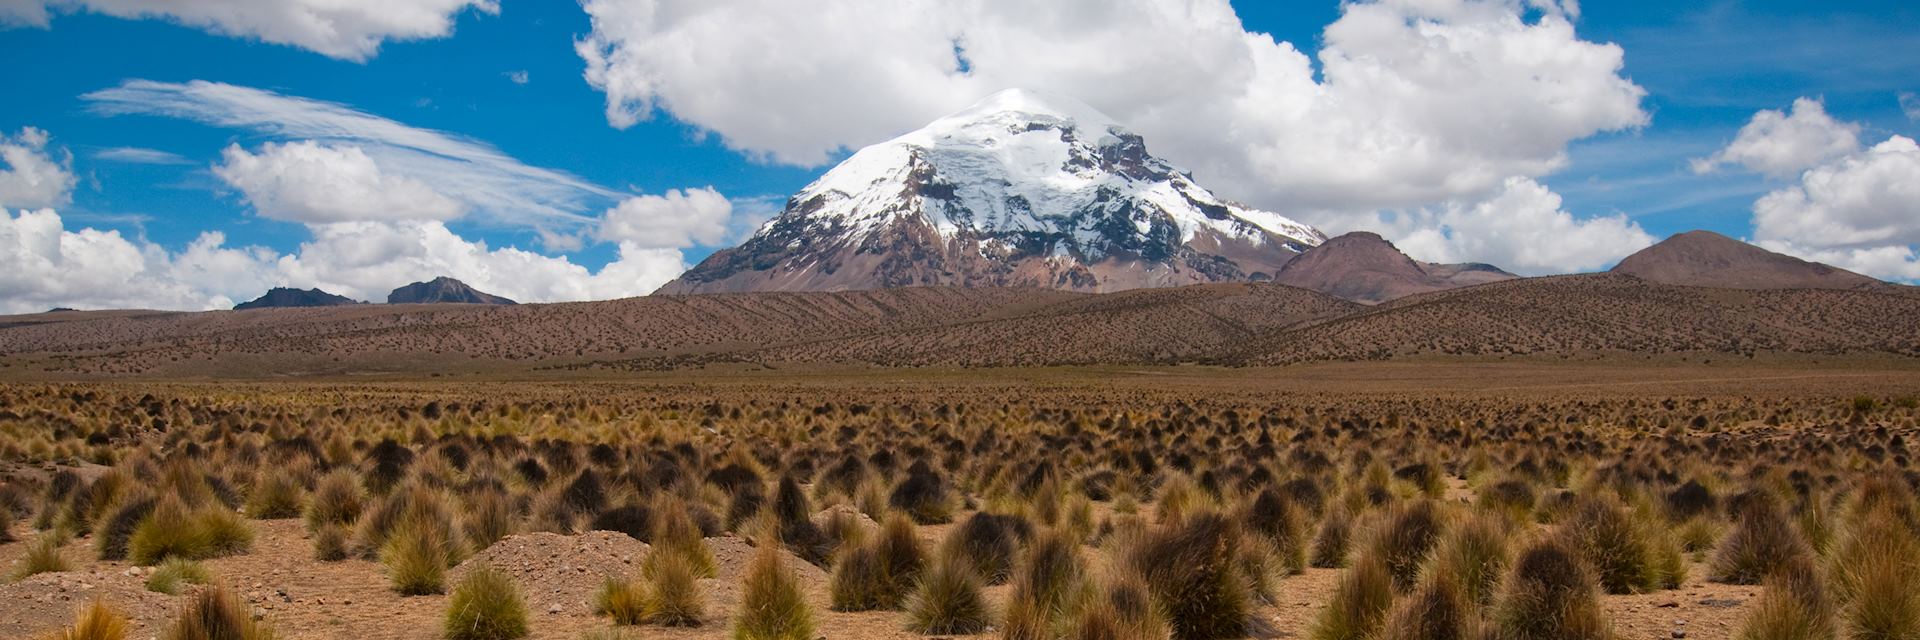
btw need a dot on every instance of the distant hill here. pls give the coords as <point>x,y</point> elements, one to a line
<point>1608,315</point>
<point>1364,267</point>
<point>443,290</point>
<point>283,297</point>
<point>1708,259</point>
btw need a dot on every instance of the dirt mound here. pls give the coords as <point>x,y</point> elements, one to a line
<point>50,600</point>
<point>554,569</point>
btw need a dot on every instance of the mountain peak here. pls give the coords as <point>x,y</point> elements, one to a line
<point>1363,267</point>
<point>1708,259</point>
<point>1029,104</point>
<point>443,290</point>
<point>1022,188</point>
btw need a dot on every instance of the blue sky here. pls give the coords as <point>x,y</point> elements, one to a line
<point>1706,71</point>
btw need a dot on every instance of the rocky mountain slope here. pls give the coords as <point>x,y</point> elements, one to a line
<point>1708,259</point>
<point>284,297</point>
<point>443,290</point>
<point>1364,267</point>
<point>1021,189</point>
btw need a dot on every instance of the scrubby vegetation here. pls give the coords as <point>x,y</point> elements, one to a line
<point>485,606</point>
<point>1075,513</point>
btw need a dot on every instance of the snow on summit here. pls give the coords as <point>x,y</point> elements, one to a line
<point>1038,189</point>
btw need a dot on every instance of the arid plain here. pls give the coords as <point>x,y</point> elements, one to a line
<point>1531,497</point>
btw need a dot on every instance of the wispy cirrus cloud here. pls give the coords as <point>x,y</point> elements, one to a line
<point>484,179</point>
<point>343,29</point>
<point>140,155</point>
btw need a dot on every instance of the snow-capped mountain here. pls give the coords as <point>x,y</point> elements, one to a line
<point>1021,189</point>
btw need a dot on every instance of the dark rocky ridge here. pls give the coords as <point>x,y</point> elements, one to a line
<point>443,290</point>
<point>285,297</point>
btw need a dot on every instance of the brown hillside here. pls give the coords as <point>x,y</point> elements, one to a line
<point>1608,313</point>
<point>1708,259</point>
<point>1260,324</point>
<point>1197,323</point>
<point>398,336</point>
<point>1365,267</point>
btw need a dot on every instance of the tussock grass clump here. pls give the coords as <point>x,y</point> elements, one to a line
<point>170,575</point>
<point>948,600</point>
<point>1549,596</point>
<point>489,516</point>
<point>95,622</point>
<point>1613,545</point>
<point>622,600</point>
<point>1360,603</point>
<point>1049,576</point>
<point>1331,545</point>
<point>1274,517</point>
<point>1190,569</point>
<point>880,574</point>
<point>1473,556</point>
<point>1762,538</point>
<point>417,554</point>
<point>1435,611</point>
<point>772,606</point>
<point>277,494</point>
<point>1794,606</point>
<point>1876,577</point>
<point>174,531</point>
<point>633,520</point>
<point>330,543</point>
<point>923,495</point>
<point>988,543</point>
<point>1405,540</point>
<point>1513,498</point>
<point>337,500</point>
<point>43,556</point>
<point>794,514</point>
<point>673,597</point>
<point>675,532</point>
<point>1125,611</point>
<point>216,614</point>
<point>486,605</point>
<point>113,532</point>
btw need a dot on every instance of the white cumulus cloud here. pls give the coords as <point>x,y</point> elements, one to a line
<point>1412,102</point>
<point>44,265</point>
<point>345,29</point>
<point>1854,208</point>
<point>308,181</point>
<point>1861,212</point>
<point>365,260</point>
<point>1779,143</point>
<point>31,176</point>
<point>677,219</point>
<point>1522,228</point>
<point>1408,103</point>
